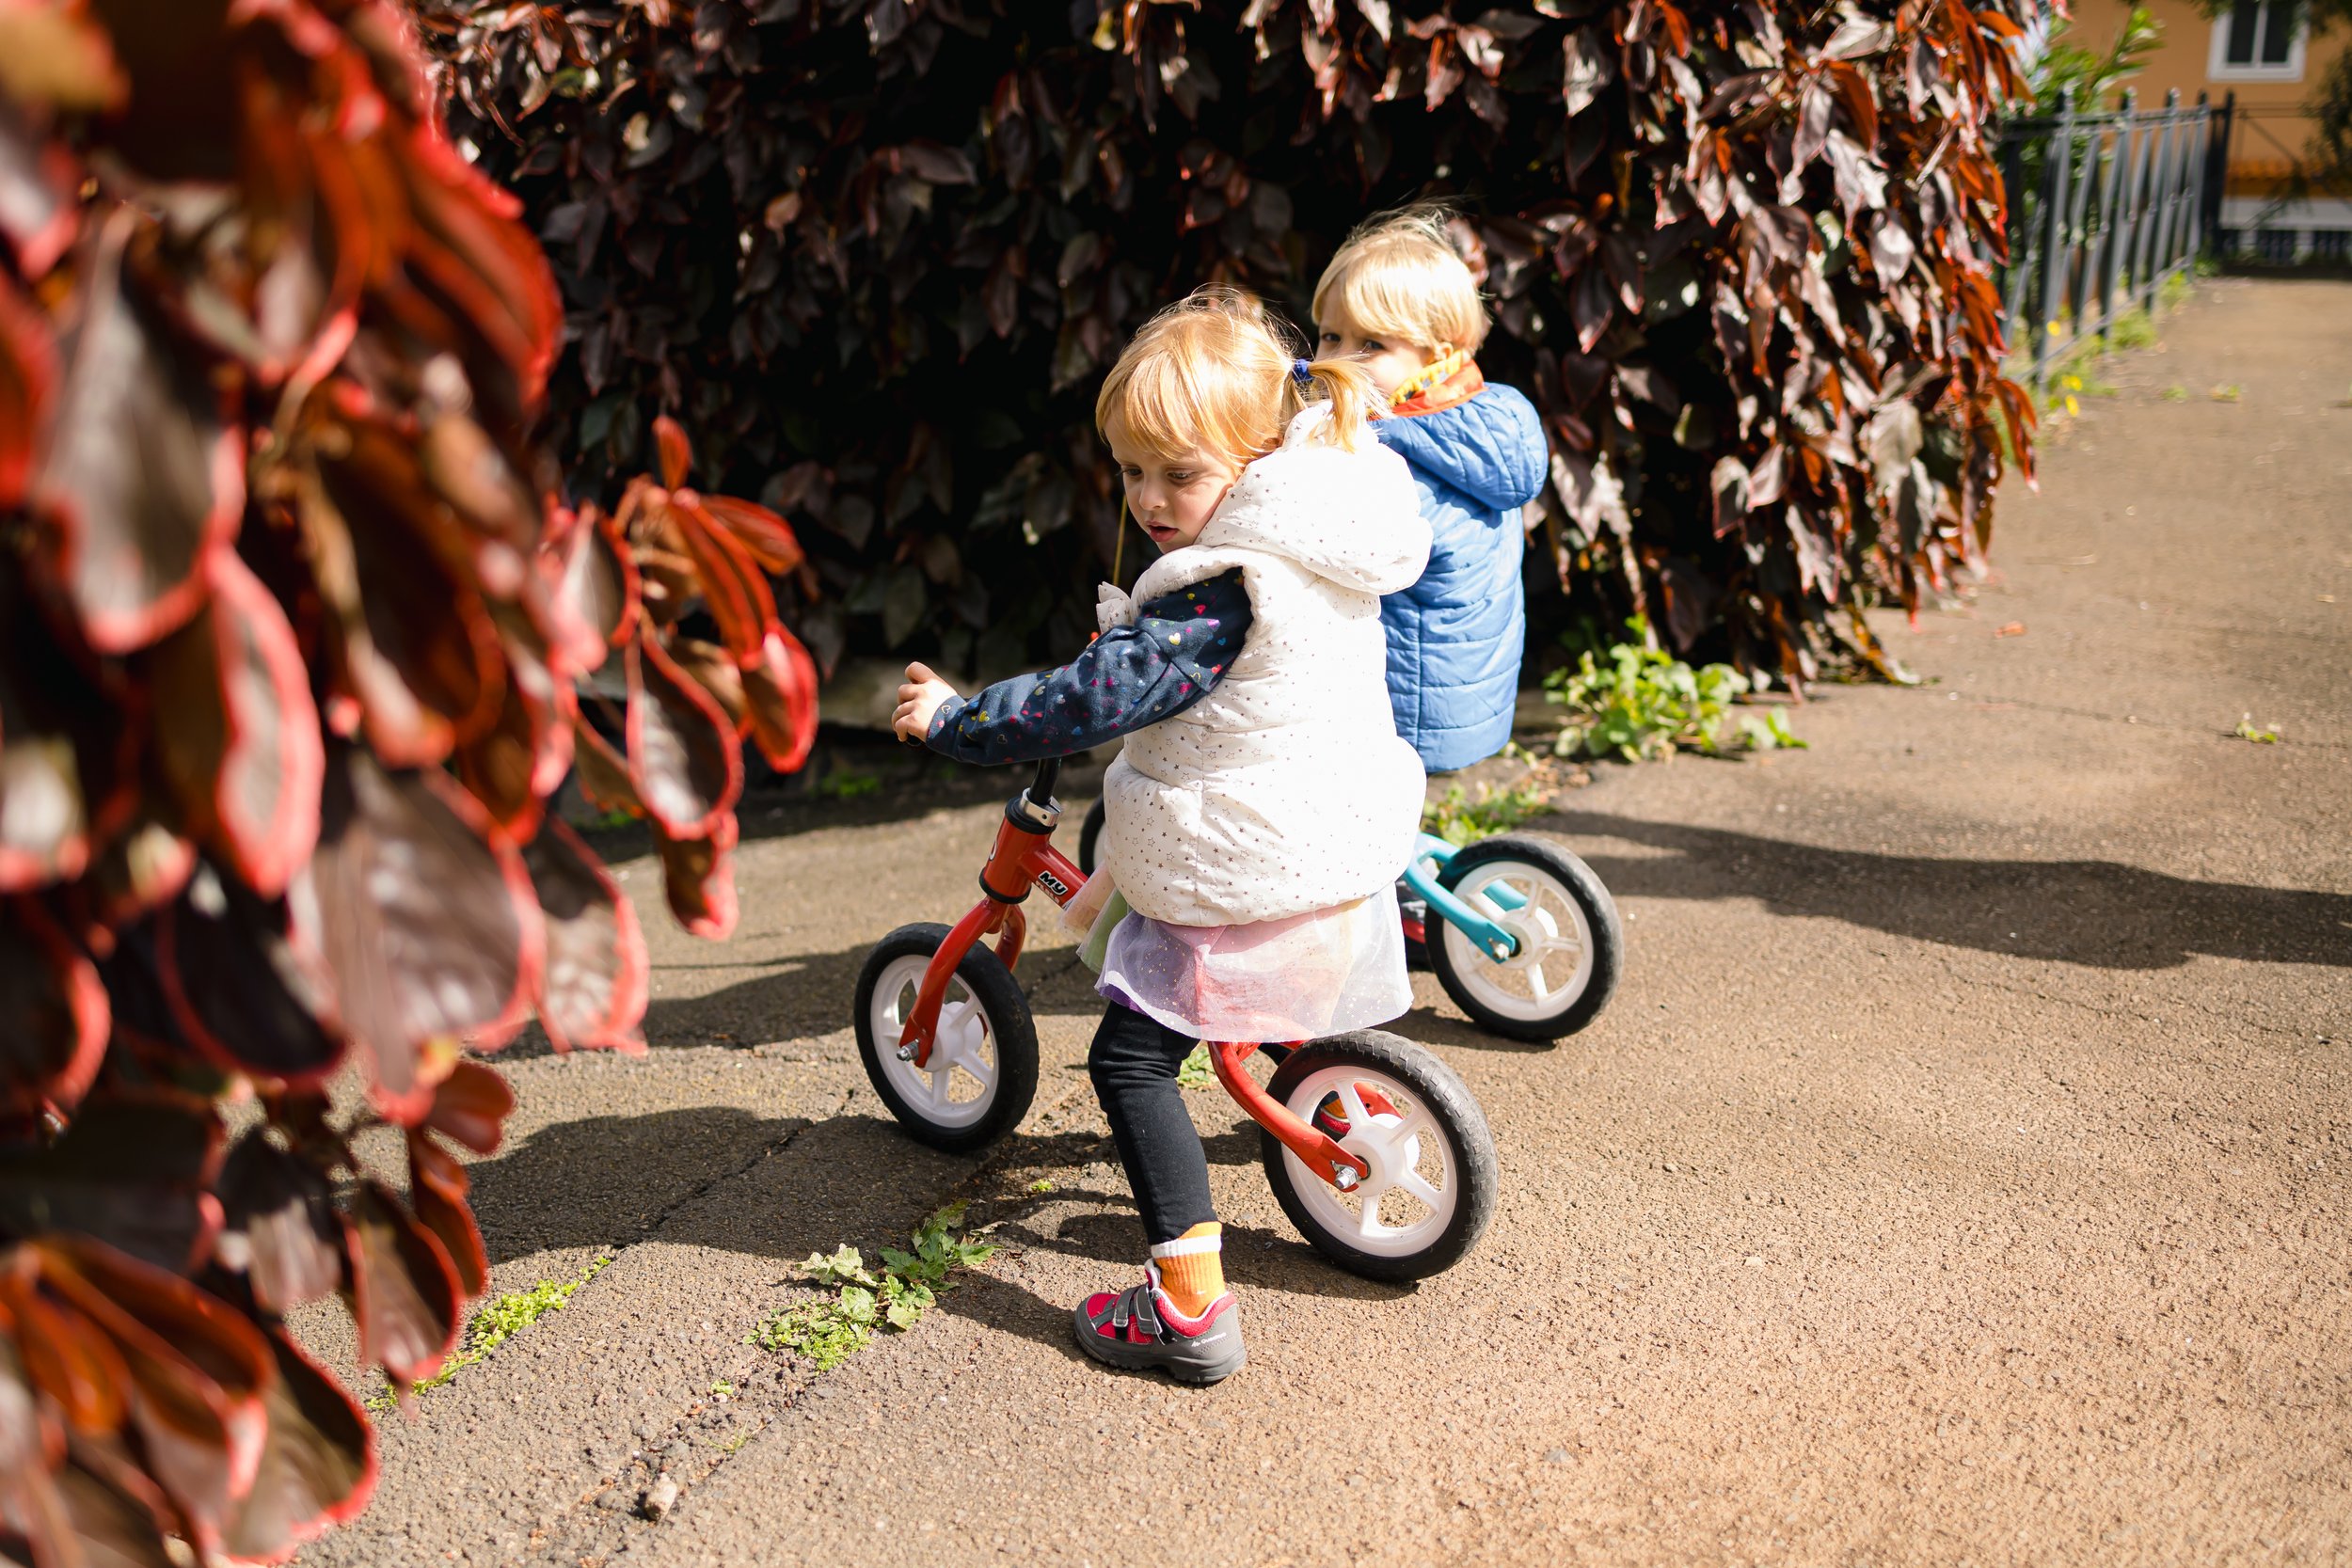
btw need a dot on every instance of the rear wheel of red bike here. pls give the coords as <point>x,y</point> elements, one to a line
<point>981,1075</point>
<point>1430,1192</point>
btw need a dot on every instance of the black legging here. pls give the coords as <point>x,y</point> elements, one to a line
<point>1133,1063</point>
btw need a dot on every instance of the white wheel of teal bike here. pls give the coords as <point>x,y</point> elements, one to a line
<point>1568,948</point>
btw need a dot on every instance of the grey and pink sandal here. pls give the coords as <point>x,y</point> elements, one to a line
<point>1138,1329</point>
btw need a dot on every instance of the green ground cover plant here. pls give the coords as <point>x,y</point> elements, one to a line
<point>497,1320</point>
<point>1462,819</point>
<point>1636,702</point>
<point>827,1333</point>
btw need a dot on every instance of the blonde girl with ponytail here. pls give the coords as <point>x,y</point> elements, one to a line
<point>1261,806</point>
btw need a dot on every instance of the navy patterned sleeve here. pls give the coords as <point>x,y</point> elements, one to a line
<point>1179,647</point>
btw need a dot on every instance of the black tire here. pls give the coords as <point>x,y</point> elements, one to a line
<point>1005,1012</point>
<point>1470,1153</point>
<point>1451,953</point>
<point>1091,837</point>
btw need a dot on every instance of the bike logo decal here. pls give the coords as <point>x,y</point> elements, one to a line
<point>1052,885</point>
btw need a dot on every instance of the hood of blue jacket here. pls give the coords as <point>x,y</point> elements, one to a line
<point>1491,447</point>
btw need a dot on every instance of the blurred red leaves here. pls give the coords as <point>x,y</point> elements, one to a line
<point>289,664</point>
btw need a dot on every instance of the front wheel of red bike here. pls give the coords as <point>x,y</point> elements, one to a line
<point>981,1075</point>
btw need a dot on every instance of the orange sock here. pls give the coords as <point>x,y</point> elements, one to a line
<point>1192,1268</point>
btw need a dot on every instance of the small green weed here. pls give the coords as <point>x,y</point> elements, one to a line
<point>1769,732</point>
<point>1462,821</point>
<point>736,1441</point>
<point>1644,704</point>
<point>847,784</point>
<point>2248,730</point>
<point>826,1332</point>
<point>2228,391</point>
<point>2132,329</point>
<point>2175,394</point>
<point>830,1332</point>
<point>1040,1186</point>
<point>494,1322</point>
<point>1195,1072</point>
<point>722,1388</point>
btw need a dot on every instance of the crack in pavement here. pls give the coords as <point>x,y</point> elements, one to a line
<point>647,1229</point>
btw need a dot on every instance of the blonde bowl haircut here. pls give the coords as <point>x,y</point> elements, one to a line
<point>1399,278</point>
<point>1213,372</point>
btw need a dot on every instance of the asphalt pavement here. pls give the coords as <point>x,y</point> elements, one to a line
<point>1958,1177</point>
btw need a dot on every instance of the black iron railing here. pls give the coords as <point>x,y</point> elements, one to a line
<point>2104,206</point>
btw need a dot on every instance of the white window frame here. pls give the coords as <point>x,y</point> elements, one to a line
<point>2217,66</point>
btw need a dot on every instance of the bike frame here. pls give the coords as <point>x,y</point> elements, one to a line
<point>1431,855</point>
<point>1025,858</point>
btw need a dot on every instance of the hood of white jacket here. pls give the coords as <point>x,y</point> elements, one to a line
<point>1350,516</point>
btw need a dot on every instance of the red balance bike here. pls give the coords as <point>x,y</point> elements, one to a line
<point>1372,1146</point>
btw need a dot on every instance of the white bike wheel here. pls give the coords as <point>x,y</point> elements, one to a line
<point>1569,945</point>
<point>956,1087</point>
<point>1428,1190</point>
<point>981,1072</point>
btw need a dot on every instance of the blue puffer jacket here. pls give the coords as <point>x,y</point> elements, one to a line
<point>1456,637</point>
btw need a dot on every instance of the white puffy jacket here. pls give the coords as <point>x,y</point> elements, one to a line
<point>1285,789</point>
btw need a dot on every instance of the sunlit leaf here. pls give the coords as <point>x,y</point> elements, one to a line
<point>471,1106</point>
<point>698,875</point>
<point>142,473</point>
<point>593,987</point>
<point>682,757</point>
<point>282,1231</point>
<point>237,732</point>
<point>405,1295</point>
<point>427,926</point>
<point>437,1191</point>
<point>317,1467</point>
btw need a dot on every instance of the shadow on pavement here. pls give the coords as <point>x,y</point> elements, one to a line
<point>2092,913</point>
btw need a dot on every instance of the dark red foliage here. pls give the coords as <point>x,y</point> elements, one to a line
<point>291,648</point>
<point>1740,253</point>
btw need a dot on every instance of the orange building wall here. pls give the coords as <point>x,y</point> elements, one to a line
<point>2273,127</point>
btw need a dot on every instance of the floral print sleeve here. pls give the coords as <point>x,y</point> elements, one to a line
<point>1179,647</point>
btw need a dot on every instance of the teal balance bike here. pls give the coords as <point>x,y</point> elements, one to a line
<point>1526,939</point>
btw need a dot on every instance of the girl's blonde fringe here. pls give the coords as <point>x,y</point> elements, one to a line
<point>1215,372</point>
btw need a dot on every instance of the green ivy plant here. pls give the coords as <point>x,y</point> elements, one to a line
<point>1641,704</point>
<point>828,1333</point>
<point>1462,820</point>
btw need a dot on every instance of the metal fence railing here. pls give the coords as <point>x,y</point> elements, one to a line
<point>2103,207</point>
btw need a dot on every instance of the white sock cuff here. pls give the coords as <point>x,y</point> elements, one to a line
<point>1189,1246</point>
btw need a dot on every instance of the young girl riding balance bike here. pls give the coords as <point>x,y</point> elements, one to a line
<point>1260,811</point>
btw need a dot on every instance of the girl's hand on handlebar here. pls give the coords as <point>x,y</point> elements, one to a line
<point>918,702</point>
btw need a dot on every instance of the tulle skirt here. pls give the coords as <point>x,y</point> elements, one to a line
<point>1298,978</point>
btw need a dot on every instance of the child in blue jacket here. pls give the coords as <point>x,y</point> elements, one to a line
<point>1399,299</point>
